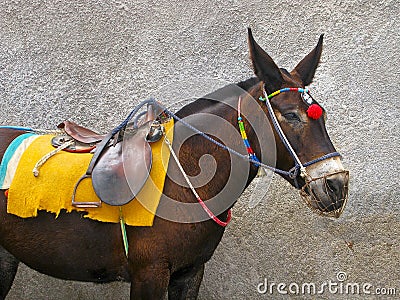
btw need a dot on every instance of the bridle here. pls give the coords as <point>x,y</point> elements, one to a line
<point>300,168</point>
<point>295,173</point>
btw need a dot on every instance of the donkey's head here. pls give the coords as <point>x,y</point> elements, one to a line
<point>303,145</point>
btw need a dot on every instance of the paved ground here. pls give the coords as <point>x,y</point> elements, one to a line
<point>91,61</point>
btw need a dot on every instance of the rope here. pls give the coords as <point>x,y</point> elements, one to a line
<point>294,172</point>
<point>326,156</point>
<point>203,205</point>
<point>132,114</point>
<point>46,157</point>
<point>33,130</point>
<point>17,128</point>
<point>48,131</point>
<point>230,150</point>
<point>298,165</point>
<point>280,131</point>
<point>253,159</point>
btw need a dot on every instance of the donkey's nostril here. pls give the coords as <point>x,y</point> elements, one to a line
<point>327,194</point>
<point>334,184</point>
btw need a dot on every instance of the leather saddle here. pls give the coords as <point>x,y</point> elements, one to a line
<point>80,133</point>
<point>121,161</point>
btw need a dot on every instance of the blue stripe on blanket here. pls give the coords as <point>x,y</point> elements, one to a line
<point>9,153</point>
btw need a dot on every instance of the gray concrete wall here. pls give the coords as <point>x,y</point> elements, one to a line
<point>91,61</point>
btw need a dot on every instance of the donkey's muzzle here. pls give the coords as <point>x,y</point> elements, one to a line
<point>336,186</point>
<point>327,195</point>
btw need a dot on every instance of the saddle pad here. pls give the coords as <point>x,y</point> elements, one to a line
<point>52,189</point>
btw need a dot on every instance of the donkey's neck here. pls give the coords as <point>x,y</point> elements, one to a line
<point>217,115</point>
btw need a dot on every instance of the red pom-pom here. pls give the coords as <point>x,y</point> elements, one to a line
<point>314,111</point>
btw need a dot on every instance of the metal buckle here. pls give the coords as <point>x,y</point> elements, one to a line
<point>155,133</point>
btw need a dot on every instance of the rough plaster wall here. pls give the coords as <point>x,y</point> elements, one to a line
<point>91,61</point>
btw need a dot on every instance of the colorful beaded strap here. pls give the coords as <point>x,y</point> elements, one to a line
<point>300,90</point>
<point>246,142</point>
<point>314,111</point>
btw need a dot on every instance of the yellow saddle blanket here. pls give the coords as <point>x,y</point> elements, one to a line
<point>53,188</point>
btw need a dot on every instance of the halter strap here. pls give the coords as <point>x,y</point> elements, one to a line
<point>278,127</point>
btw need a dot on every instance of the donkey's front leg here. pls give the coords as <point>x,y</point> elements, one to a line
<point>150,282</point>
<point>8,269</point>
<point>185,285</point>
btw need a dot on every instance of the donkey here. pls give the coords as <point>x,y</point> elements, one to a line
<point>168,258</point>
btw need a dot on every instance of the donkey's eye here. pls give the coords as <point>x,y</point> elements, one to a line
<point>291,116</point>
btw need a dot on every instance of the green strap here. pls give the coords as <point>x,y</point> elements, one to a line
<point>123,231</point>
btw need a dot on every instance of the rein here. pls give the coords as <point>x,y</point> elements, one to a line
<point>201,202</point>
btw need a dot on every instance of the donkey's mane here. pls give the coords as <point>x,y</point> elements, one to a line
<point>210,102</point>
<point>246,84</point>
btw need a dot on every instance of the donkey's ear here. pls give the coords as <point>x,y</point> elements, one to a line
<point>307,67</point>
<point>263,65</point>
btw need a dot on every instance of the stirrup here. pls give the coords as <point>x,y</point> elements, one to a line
<point>78,204</point>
